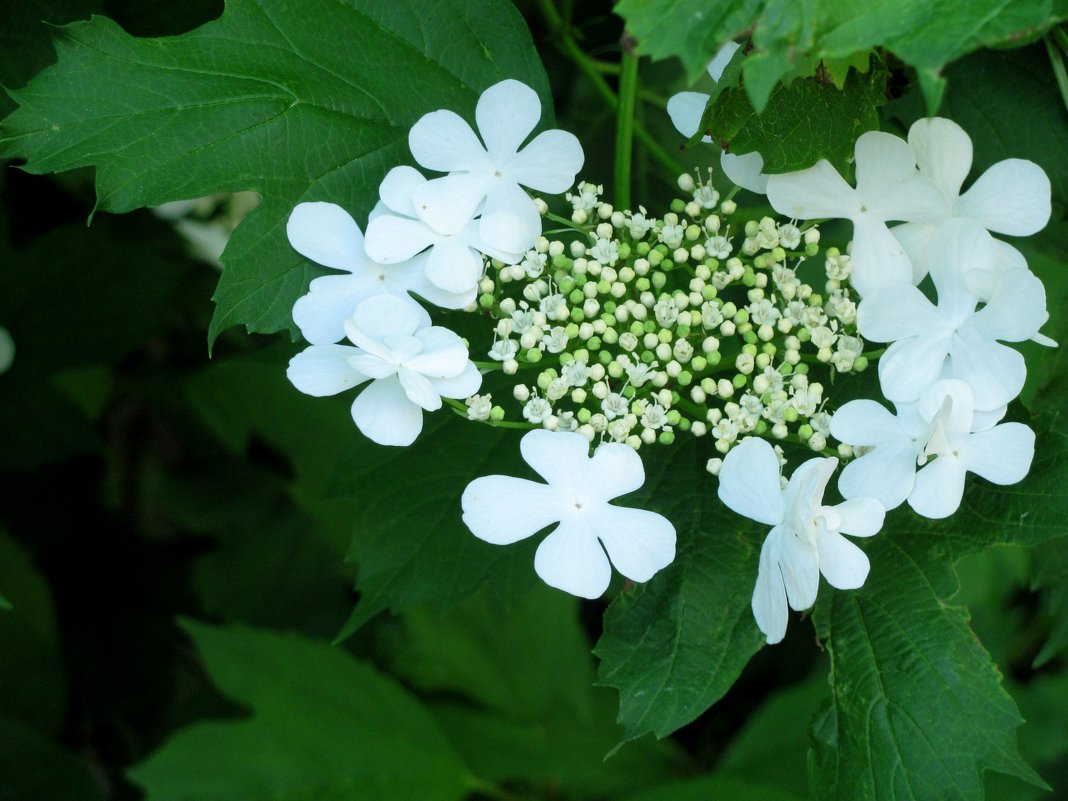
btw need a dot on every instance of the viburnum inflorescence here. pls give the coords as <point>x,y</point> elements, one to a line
<point>620,329</point>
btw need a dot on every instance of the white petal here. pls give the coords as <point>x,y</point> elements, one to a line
<point>615,469</point>
<point>841,562</point>
<point>384,414</point>
<point>877,257</point>
<point>447,204</point>
<point>865,422</point>
<point>965,248</point>
<point>548,164</point>
<point>464,385</point>
<point>939,488</point>
<point>895,312</point>
<point>392,239</point>
<point>685,110</point>
<point>769,594</point>
<point>886,473</point>
<point>803,495</point>
<point>324,370</point>
<point>1015,309</point>
<point>1012,197</point>
<point>746,171</point>
<point>749,482</point>
<point>859,517</point>
<point>1002,454</point>
<point>419,390</point>
<point>882,160</point>
<point>443,141</point>
<point>384,316</point>
<point>326,234</point>
<point>502,510</point>
<point>571,559</point>
<point>506,114</point>
<point>510,220</point>
<point>914,199</point>
<point>453,266</point>
<point>799,564</point>
<point>943,153</point>
<point>560,457</point>
<point>470,236</point>
<point>818,191</point>
<point>910,366</point>
<point>370,365</point>
<point>638,542</point>
<point>410,276</point>
<point>722,58</point>
<point>918,240</point>
<point>444,354</point>
<point>321,314</point>
<point>397,188</point>
<point>995,372</point>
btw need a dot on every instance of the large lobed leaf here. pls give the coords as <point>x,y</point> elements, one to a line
<point>785,33</point>
<point>324,726</point>
<point>297,101</point>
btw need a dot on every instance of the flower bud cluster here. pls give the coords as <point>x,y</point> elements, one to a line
<point>636,328</point>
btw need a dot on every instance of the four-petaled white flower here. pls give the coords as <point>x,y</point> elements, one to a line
<point>954,339</point>
<point>888,188</point>
<point>492,174</point>
<point>806,536</point>
<point>502,510</point>
<point>686,109</point>
<point>1012,197</point>
<point>943,436</point>
<point>396,235</point>
<point>327,234</point>
<point>411,364</point>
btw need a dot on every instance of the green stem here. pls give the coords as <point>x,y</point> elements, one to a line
<point>574,226</point>
<point>588,67</point>
<point>628,90</point>
<point>1056,61</point>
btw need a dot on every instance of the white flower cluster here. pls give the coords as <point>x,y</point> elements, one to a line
<point>946,370</point>
<point>427,238</point>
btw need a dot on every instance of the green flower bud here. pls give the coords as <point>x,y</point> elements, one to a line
<point>610,336</point>
<point>684,424</point>
<point>583,415</point>
<point>761,428</point>
<point>628,391</point>
<point>648,357</point>
<point>678,206</point>
<point>790,414</point>
<point>576,315</point>
<point>649,327</point>
<point>497,413</point>
<point>860,363</point>
<point>664,335</point>
<point>615,370</point>
<point>805,432</point>
<point>533,355</point>
<point>486,301</point>
<point>749,277</point>
<point>624,250</point>
<point>593,343</point>
<point>562,262</point>
<point>659,280</point>
<point>666,438</point>
<point>655,257</point>
<point>740,380</point>
<point>699,363</point>
<point>576,296</point>
<point>642,284</point>
<point>714,358</point>
<point>812,249</point>
<point>642,248</point>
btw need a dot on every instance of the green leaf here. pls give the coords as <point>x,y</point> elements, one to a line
<point>918,709</point>
<point>715,788</point>
<point>802,123</point>
<point>324,726</point>
<point>517,675</point>
<point>34,685</point>
<point>693,30</point>
<point>36,769</point>
<point>1051,578</point>
<point>786,33</point>
<point>675,645</point>
<point>399,506</point>
<point>299,102</point>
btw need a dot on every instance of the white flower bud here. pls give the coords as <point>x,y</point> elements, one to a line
<point>686,183</point>
<point>600,391</point>
<point>521,393</point>
<point>698,429</point>
<point>510,367</point>
<point>541,206</point>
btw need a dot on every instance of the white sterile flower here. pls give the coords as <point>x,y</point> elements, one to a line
<point>395,234</point>
<point>1012,197</point>
<point>494,172</point>
<point>686,109</point>
<point>327,234</point>
<point>888,188</point>
<point>954,336</point>
<point>7,350</point>
<point>502,510</point>
<point>410,363</point>
<point>806,538</point>
<point>941,435</point>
